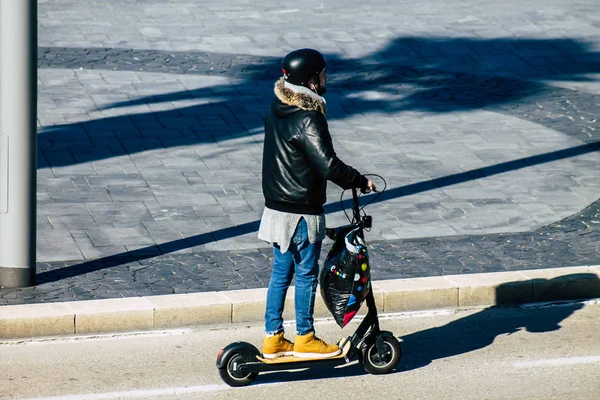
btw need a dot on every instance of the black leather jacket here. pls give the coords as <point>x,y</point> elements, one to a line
<point>298,157</point>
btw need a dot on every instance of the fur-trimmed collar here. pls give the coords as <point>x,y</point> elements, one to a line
<point>299,96</point>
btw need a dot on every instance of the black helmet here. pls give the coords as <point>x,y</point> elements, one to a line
<point>301,65</point>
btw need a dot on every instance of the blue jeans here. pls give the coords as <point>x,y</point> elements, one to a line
<point>302,258</point>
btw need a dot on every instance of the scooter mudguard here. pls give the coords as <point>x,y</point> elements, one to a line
<point>245,349</point>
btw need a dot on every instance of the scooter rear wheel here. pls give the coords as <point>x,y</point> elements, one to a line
<point>230,373</point>
<point>374,364</point>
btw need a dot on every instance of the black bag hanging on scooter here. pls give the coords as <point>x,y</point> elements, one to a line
<point>345,279</point>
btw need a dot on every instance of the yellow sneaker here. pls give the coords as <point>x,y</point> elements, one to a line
<point>277,346</point>
<point>310,346</point>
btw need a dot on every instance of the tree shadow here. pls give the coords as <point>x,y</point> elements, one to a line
<point>434,75</point>
<point>479,330</point>
<point>410,74</point>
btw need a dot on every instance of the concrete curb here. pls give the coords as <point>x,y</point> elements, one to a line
<point>182,310</point>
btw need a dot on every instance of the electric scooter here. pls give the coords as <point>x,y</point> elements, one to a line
<point>378,351</point>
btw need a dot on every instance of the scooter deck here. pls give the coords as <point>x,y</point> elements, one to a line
<point>344,344</point>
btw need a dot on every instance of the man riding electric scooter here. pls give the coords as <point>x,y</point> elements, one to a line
<point>298,160</point>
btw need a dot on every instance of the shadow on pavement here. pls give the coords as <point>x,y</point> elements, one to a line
<point>351,370</point>
<point>410,74</point>
<point>436,75</point>
<point>479,330</point>
<point>249,227</point>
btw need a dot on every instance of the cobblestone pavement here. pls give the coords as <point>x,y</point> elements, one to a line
<point>573,241</point>
<point>481,116</point>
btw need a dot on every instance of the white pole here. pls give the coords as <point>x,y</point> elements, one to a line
<point>18,141</point>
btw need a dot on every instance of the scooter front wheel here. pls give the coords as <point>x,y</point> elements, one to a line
<point>373,363</point>
<point>230,373</point>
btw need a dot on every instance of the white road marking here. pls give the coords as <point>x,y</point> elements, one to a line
<point>292,10</point>
<point>107,336</point>
<point>133,394</point>
<point>420,314</point>
<point>558,362</point>
<point>561,303</point>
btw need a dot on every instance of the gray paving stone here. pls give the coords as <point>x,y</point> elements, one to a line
<point>91,252</point>
<point>57,246</point>
<point>559,198</point>
<point>54,183</point>
<point>63,209</point>
<point>119,236</point>
<point>175,214</point>
<point>116,179</point>
<point>220,246</point>
<point>79,195</point>
<point>134,194</point>
<point>168,188</point>
<point>212,210</point>
<point>121,211</point>
<point>43,224</point>
<point>192,199</point>
<point>71,222</point>
<point>232,205</point>
<point>216,223</point>
<point>420,231</point>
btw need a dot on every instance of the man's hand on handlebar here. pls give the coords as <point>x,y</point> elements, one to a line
<point>370,187</point>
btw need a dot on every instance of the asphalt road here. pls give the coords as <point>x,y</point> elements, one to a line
<point>529,352</point>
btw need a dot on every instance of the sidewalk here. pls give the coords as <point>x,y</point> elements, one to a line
<point>482,118</point>
<point>570,242</point>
